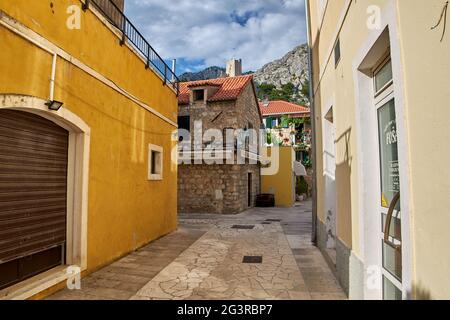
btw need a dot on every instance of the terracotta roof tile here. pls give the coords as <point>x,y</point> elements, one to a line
<point>229,88</point>
<point>283,107</point>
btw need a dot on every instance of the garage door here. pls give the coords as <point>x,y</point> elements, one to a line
<point>33,195</point>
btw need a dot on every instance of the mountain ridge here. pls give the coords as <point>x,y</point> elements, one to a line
<point>206,74</point>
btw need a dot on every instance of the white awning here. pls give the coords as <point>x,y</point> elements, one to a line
<point>299,169</point>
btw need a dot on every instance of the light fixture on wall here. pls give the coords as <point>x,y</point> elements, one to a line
<point>54,105</point>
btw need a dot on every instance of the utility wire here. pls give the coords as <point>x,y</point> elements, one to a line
<point>443,16</point>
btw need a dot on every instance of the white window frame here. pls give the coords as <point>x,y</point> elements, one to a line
<point>375,42</point>
<point>158,176</point>
<point>381,98</point>
<point>384,62</point>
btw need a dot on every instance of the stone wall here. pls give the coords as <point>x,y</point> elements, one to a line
<point>221,189</point>
<point>248,109</point>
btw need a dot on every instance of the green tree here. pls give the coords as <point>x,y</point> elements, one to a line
<point>304,91</point>
<point>287,92</point>
<point>287,121</point>
<point>265,90</point>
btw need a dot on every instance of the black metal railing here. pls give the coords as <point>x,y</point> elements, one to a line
<point>116,17</point>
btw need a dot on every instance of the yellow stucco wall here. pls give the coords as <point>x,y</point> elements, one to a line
<point>125,210</point>
<point>281,183</point>
<point>425,68</point>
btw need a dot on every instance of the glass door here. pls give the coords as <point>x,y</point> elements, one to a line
<point>389,208</point>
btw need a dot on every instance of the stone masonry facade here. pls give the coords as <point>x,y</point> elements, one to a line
<point>220,188</point>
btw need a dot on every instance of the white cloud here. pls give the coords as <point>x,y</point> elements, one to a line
<point>258,31</point>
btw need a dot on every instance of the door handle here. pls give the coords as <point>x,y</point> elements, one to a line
<point>387,226</point>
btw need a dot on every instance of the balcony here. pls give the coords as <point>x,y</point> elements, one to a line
<point>188,152</point>
<point>132,36</point>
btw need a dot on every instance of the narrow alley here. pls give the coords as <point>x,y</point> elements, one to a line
<point>263,253</point>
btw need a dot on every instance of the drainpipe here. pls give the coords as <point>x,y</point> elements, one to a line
<point>52,78</point>
<point>39,45</point>
<point>313,124</point>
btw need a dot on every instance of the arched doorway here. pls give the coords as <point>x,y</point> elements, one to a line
<point>33,195</point>
<point>59,156</point>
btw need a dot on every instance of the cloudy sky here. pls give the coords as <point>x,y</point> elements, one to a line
<point>203,33</point>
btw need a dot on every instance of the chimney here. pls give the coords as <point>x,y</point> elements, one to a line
<point>266,102</point>
<point>174,68</point>
<point>234,68</point>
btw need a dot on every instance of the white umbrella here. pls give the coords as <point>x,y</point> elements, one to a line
<point>299,169</point>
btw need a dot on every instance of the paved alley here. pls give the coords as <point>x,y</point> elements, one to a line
<point>263,253</point>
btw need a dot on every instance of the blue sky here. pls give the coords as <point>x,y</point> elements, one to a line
<point>207,33</point>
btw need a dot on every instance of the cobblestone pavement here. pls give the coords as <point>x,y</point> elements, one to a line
<point>204,260</point>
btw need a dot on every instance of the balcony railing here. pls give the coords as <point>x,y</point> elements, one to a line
<point>187,152</point>
<point>135,38</point>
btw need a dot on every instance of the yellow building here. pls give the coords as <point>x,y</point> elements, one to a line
<point>381,92</point>
<point>280,182</point>
<point>83,184</point>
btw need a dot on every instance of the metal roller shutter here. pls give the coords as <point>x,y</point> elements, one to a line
<point>33,195</point>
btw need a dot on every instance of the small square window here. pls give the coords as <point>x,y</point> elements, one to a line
<point>199,95</point>
<point>155,162</point>
<point>337,52</point>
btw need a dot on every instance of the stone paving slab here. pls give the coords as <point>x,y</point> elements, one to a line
<point>213,268</point>
<point>203,260</point>
<point>123,278</point>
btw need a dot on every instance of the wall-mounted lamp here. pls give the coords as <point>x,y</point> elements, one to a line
<point>54,105</point>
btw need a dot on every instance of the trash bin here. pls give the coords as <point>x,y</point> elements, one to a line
<point>265,200</point>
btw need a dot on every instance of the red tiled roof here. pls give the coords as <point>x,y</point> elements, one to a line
<point>283,107</point>
<point>229,88</point>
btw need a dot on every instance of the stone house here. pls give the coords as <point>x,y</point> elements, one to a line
<point>221,104</point>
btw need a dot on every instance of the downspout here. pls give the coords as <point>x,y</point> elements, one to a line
<point>52,78</point>
<point>313,124</point>
<point>39,45</point>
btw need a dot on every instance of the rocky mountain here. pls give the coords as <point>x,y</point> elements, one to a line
<point>292,68</point>
<point>208,73</point>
